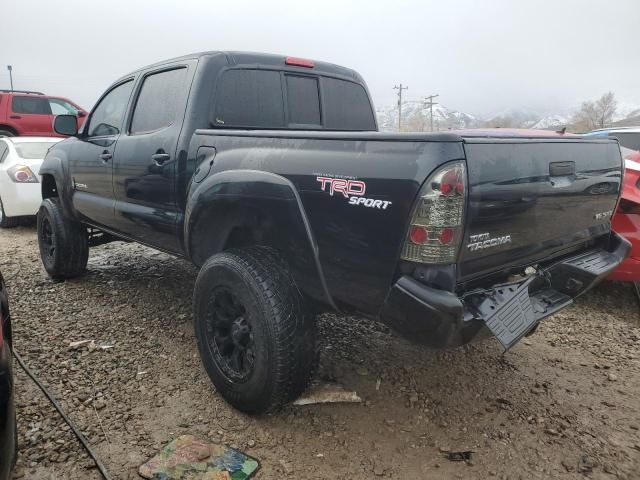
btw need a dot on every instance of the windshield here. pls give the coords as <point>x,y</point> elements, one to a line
<point>33,150</point>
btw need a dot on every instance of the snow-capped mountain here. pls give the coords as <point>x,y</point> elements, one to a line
<point>553,121</point>
<point>416,117</point>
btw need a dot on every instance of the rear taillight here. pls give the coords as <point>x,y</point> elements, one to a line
<point>21,174</point>
<point>436,228</point>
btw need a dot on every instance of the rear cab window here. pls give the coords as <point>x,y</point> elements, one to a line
<point>303,100</point>
<point>263,98</point>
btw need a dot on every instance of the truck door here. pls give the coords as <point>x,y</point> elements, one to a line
<point>91,160</point>
<point>145,162</point>
<point>32,114</point>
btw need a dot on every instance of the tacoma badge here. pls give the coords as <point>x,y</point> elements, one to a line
<point>603,215</point>
<point>484,240</point>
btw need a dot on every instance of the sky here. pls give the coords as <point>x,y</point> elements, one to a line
<point>481,57</point>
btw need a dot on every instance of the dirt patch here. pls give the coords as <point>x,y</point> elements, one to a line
<point>563,403</point>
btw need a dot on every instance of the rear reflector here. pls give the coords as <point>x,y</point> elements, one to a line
<point>299,62</point>
<point>446,236</point>
<point>418,235</point>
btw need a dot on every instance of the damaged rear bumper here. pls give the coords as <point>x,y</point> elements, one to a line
<point>441,319</point>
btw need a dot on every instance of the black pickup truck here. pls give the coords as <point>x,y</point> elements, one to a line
<point>268,173</point>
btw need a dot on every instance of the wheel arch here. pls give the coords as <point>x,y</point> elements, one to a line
<point>9,128</point>
<point>56,184</point>
<point>239,208</point>
<point>49,187</point>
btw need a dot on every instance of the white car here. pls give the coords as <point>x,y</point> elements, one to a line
<point>20,160</point>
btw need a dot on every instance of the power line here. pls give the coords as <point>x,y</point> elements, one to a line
<point>428,102</point>
<point>400,88</point>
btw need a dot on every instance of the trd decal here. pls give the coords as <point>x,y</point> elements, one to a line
<point>345,187</point>
<point>352,189</point>
<point>370,202</point>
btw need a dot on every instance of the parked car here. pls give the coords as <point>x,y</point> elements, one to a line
<point>269,174</point>
<point>20,160</point>
<point>626,220</point>
<point>25,113</point>
<point>8,432</point>
<point>629,137</point>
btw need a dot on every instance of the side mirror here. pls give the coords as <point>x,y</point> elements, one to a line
<point>66,125</point>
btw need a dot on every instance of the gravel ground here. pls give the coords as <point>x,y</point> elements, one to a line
<point>564,403</point>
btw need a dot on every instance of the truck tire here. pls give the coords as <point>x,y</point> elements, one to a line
<point>254,330</point>
<point>6,133</point>
<point>7,222</point>
<point>63,242</point>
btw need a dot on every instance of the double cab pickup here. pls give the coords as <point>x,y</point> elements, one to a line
<point>269,174</point>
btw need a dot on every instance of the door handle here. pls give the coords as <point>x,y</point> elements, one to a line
<point>106,156</point>
<point>15,117</point>
<point>160,158</point>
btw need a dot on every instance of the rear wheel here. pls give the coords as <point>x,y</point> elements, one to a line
<point>7,222</point>
<point>63,242</point>
<point>255,332</point>
<point>6,133</point>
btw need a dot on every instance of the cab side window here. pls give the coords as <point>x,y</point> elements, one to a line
<point>108,116</point>
<point>157,104</point>
<point>60,107</point>
<point>30,105</point>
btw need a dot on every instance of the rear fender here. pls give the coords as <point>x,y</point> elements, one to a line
<point>243,207</point>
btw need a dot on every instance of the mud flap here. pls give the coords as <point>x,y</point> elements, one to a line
<point>511,312</point>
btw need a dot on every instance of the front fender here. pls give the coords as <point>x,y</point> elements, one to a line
<point>262,201</point>
<point>56,164</point>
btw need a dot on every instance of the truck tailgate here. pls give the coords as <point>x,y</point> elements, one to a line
<point>533,199</point>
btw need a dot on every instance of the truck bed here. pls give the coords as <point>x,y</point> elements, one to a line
<point>511,194</point>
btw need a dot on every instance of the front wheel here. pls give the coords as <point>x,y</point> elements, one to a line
<point>63,242</point>
<point>255,333</point>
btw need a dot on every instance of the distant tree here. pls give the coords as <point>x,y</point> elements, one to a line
<point>598,114</point>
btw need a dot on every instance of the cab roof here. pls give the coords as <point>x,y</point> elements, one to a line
<point>265,59</point>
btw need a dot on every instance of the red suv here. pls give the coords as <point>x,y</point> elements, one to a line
<point>24,113</point>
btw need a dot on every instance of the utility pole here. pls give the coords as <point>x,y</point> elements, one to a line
<point>10,68</point>
<point>400,88</point>
<point>428,102</point>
